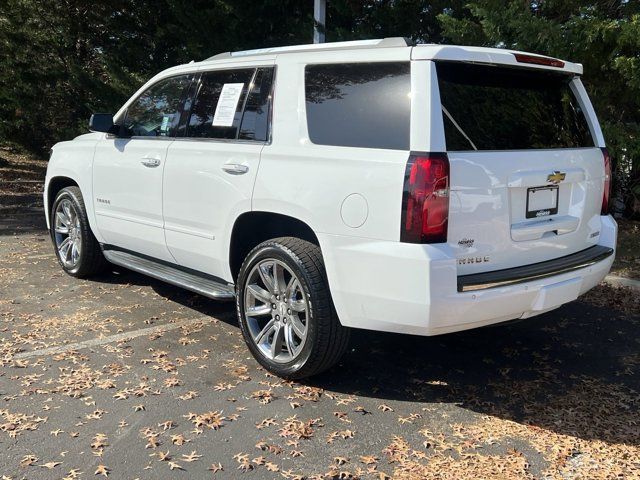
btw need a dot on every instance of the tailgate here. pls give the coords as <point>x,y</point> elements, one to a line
<point>492,192</point>
<point>526,176</point>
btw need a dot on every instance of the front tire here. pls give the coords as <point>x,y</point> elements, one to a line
<point>77,249</point>
<point>285,310</point>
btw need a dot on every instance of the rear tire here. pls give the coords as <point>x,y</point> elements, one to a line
<point>77,249</point>
<point>285,310</point>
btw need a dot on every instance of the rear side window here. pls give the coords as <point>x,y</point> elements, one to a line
<point>255,119</point>
<point>217,109</point>
<point>497,108</point>
<point>359,104</point>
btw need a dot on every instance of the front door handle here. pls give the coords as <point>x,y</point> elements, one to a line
<point>150,162</point>
<point>235,168</point>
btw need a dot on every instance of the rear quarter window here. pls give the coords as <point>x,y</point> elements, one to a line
<point>498,108</point>
<point>359,104</point>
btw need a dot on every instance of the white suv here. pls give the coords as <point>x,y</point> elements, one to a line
<point>418,189</point>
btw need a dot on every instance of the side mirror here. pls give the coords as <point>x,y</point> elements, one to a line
<point>103,122</point>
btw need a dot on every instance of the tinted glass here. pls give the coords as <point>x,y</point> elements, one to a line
<point>359,104</point>
<point>235,84</point>
<point>156,112</point>
<point>255,119</point>
<point>497,108</point>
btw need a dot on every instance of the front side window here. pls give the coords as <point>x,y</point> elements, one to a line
<point>156,112</point>
<point>217,109</point>
<point>359,104</point>
<point>498,108</point>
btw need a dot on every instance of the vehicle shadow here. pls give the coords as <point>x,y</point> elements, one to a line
<point>572,371</point>
<point>224,311</point>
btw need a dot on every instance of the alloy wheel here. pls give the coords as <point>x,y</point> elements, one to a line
<point>67,233</point>
<point>276,310</point>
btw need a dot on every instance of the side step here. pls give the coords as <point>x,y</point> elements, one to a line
<point>199,284</point>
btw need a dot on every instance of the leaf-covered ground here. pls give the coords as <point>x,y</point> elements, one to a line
<point>627,263</point>
<point>21,178</point>
<point>552,397</point>
<point>124,377</point>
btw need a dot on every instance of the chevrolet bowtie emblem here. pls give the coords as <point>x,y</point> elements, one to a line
<point>556,177</point>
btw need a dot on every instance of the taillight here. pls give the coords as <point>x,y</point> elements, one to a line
<point>538,60</point>
<point>606,195</point>
<point>425,200</point>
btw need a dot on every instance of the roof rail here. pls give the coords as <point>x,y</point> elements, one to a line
<point>377,43</point>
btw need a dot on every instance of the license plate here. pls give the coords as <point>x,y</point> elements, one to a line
<point>542,201</point>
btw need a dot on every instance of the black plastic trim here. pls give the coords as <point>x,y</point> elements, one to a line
<point>527,273</point>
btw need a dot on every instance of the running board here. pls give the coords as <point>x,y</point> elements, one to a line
<point>204,286</point>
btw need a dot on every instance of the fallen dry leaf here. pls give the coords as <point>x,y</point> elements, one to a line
<point>102,470</point>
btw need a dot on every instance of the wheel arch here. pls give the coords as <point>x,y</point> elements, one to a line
<point>54,186</point>
<point>254,227</point>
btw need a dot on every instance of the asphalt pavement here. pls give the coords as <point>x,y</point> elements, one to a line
<point>126,377</point>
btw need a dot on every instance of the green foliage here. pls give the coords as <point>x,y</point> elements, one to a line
<point>414,19</point>
<point>62,60</point>
<point>602,35</point>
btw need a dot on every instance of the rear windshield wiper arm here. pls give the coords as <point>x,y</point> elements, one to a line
<point>455,124</point>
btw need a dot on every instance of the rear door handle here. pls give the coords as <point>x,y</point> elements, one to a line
<point>235,168</point>
<point>150,162</point>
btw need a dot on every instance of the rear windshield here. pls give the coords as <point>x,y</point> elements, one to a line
<point>496,108</point>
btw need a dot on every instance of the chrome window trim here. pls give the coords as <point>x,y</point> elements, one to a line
<point>142,137</point>
<point>217,140</point>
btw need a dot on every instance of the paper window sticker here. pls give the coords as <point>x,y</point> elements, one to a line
<point>227,104</point>
<point>165,124</point>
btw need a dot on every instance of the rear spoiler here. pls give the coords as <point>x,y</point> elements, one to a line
<point>495,56</point>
